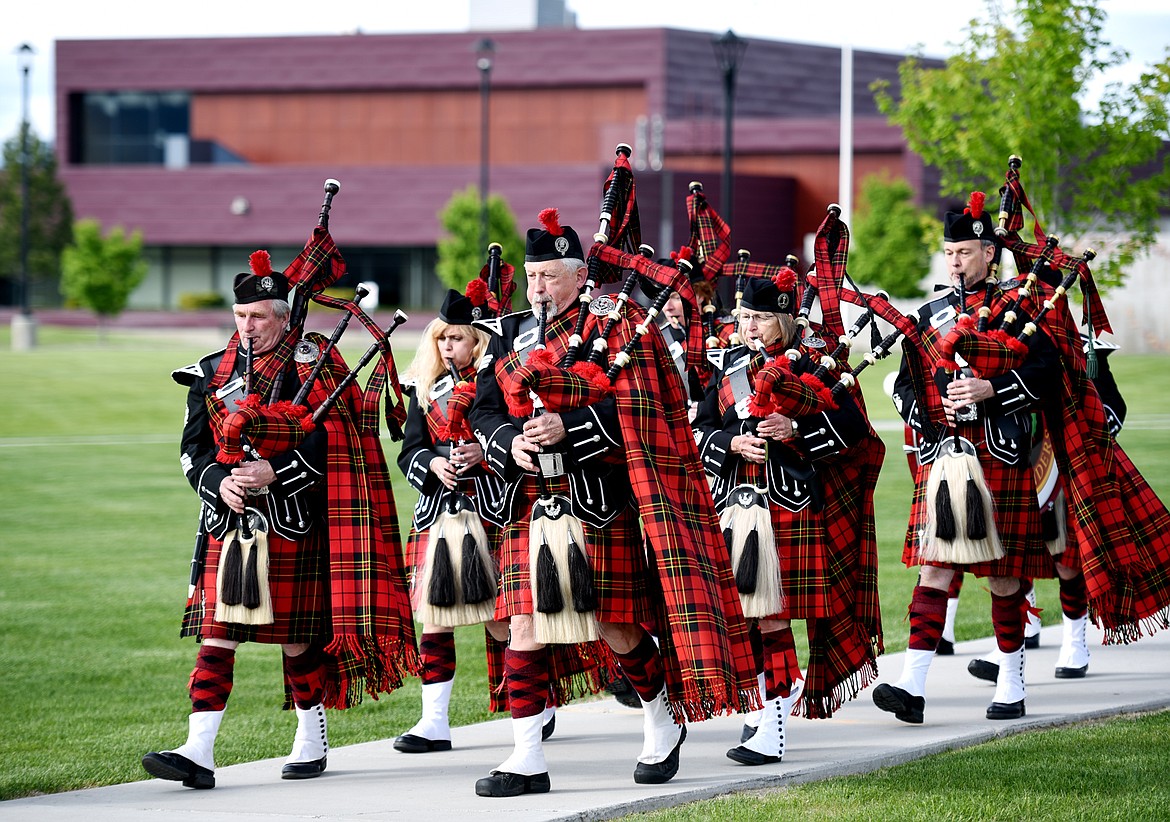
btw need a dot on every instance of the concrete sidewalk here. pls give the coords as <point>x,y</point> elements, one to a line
<point>591,756</point>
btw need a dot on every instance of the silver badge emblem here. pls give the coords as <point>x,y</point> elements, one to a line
<point>267,283</point>
<point>977,227</point>
<point>561,244</point>
<point>306,352</point>
<point>601,306</point>
<point>476,313</point>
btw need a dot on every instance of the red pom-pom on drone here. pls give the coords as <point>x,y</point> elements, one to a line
<point>550,218</point>
<point>261,263</point>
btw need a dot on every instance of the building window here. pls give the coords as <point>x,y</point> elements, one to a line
<point>131,128</point>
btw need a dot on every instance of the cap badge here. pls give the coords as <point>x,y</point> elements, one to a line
<point>267,284</point>
<point>561,244</point>
<point>977,227</point>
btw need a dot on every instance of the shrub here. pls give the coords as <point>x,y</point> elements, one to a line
<point>199,300</point>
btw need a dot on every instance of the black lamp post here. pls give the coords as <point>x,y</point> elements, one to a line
<point>729,50</point>
<point>484,51</point>
<point>23,325</point>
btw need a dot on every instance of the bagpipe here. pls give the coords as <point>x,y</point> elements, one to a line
<point>582,376</point>
<point>710,242</point>
<point>261,427</point>
<point>778,388</point>
<point>457,586</point>
<point>564,597</point>
<point>960,524</point>
<point>499,280</point>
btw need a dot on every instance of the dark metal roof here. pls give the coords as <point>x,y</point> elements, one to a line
<point>787,102</point>
<point>376,206</point>
<point>776,79</point>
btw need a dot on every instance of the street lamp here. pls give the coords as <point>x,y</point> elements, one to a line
<point>729,50</point>
<point>484,51</point>
<point>23,324</point>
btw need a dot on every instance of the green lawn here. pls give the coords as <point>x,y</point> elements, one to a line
<point>96,535</point>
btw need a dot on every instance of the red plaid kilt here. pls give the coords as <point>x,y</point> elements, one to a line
<point>1017,518</point>
<point>800,545</point>
<point>299,586</point>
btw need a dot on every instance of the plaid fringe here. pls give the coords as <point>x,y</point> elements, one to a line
<point>824,706</point>
<point>368,665</point>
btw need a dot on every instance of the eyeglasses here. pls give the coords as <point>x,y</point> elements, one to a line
<point>758,319</point>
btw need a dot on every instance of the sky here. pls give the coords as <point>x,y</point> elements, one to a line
<point>930,27</point>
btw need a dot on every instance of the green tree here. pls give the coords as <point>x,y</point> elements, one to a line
<point>1019,86</point>
<point>894,238</point>
<point>460,254</point>
<point>50,216</point>
<point>98,272</point>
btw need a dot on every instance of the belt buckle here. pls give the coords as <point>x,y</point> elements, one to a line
<point>551,465</point>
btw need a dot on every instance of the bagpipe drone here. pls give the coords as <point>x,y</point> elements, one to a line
<point>260,427</point>
<point>586,374</point>
<point>457,582</point>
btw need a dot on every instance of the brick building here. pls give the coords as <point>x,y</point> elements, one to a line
<point>214,147</point>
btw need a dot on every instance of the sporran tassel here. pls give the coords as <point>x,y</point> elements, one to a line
<point>242,590</point>
<point>746,522</point>
<point>581,580</point>
<point>456,584</point>
<point>548,582</point>
<point>749,564</point>
<point>956,468</point>
<point>561,576</point>
<point>478,581</point>
<point>944,524</point>
<point>441,590</point>
<point>232,573</point>
<point>976,519</point>
<point>252,580</point>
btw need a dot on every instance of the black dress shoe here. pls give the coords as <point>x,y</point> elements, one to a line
<point>746,756</point>
<point>1032,642</point>
<point>412,743</point>
<point>900,703</point>
<point>1072,673</point>
<point>624,692</point>
<point>945,648</point>
<point>982,669</point>
<point>502,783</point>
<point>547,729</point>
<point>178,768</point>
<point>663,771</point>
<point>303,770</point>
<point>747,733</point>
<point>1006,710</point>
